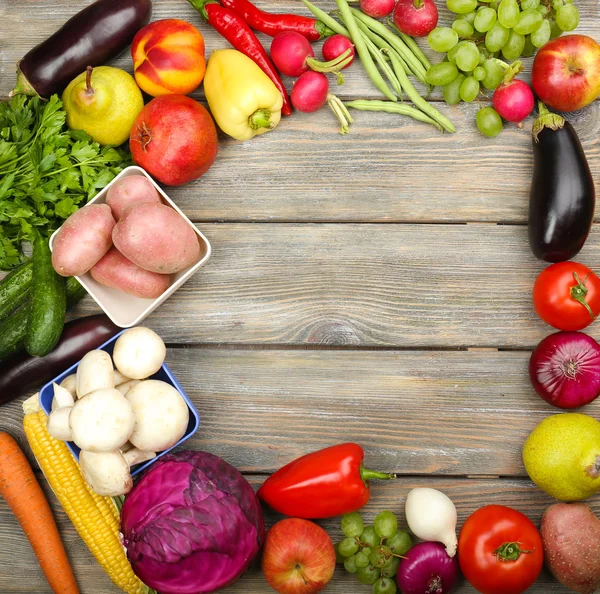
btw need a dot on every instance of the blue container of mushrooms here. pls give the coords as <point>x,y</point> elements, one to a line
<point>121,401</point>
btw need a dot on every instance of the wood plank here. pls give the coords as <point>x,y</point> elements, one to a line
<point>439,286</point>
<point>17,559</point>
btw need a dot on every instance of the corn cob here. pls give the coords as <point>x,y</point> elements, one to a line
<point>95,518</point>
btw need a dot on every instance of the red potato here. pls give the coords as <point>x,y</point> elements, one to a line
<point>157,238</point>
<point>116,271</point>
<point>571,536</point>
<point>82,240</point>
<point>130,190</point>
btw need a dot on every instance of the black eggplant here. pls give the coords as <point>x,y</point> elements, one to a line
<point>23,373</point>
<point>562,198</point>
<point>97,34</point>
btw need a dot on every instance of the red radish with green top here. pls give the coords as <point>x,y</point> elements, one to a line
<point>335,46</point>
<point>377,8</point>
<point>513,99</point>
<point>416,18</point>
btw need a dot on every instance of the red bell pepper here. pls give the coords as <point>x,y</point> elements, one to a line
<point>324,484</point>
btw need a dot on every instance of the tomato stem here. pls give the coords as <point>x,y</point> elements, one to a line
<point>510,551</point>
<point>579,291</point>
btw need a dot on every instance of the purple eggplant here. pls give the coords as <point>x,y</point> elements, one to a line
<point>23,373</point>
<point>97,34</point>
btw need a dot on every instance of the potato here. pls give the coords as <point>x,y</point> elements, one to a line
<point>157,238</point>
<point>82,240</point>
<point>116,271</point>
<point>95,372</point>
<point>134,189</point>
<point>139,352</point>
<point>571,536</point>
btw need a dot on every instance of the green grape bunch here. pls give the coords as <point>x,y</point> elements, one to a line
<point>373,553</point>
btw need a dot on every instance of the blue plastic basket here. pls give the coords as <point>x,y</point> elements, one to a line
<point>164,374</point>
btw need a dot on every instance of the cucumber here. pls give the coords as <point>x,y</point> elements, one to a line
<point>48,302</point>
<point>14,289</point>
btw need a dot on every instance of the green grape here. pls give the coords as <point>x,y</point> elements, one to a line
<point>442,39</point>
<point>461,6</point>
<point>527,4</point>
<point>470,16</point>
<point>348,547</point>
<point>529,21</point>
<point>401,542</point>
<point>467,56</point>
<point>529,48</point>
<point>350,565</point>
<point>514,46</point>
<point>508,13</point>
<point>463,28</point>
<point>469,89</point>
<point>496,37</point>
<point>369,536</point>
<point>555,30</point>
<point>482,57</point>
<point>479,73</point>
<point>494,74</point>
<point>352,524</point>
<point>489,122</point>
<point>451,93</point>
<point>376,558</point>
<point>339,558</point>
<point>384,586</point>
<point>494,5</point>
<point>451,55</point>
<point>366,551</point>
<point>541,37</point>
<point>556,4</point>
<point>441,74</point>
<point>390,569</point>
<point>567,17</point>
<point>543,9</point>
<point>386,523</point>
<point>485,19</point>
<point>367,575</point>
<point>361,560</point>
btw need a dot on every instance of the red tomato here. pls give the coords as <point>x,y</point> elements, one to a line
<point>566,295</point>
<point>500,551</point>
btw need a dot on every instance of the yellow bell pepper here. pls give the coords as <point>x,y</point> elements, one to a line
<point>242,98</point>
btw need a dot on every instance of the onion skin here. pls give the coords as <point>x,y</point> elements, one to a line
<point>565,369</point>
<point>427,569</point>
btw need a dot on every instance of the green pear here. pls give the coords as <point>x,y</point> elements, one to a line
<point>562,456</point>
<point>104,102</point>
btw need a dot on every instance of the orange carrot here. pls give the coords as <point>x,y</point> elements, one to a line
<point>22,492</point>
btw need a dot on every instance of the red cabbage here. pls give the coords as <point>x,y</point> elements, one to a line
<point>192,525</point>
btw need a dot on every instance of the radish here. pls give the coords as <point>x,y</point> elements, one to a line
<point>416,17</point>
<point>377,8</point>
<point>293,55</point>
<point>513,99</point>
<point>336,46</point>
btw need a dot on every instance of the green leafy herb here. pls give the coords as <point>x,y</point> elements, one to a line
<point>46,171</point>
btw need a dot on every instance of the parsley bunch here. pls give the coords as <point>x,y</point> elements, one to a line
<point>46,171</point>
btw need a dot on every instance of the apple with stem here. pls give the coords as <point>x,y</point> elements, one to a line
<point>298,557</point>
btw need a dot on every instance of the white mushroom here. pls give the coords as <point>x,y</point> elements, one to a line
<point>95,372</point>
<point>139,353</point>
<point>58,420</point>
<point>124,388</point>
<point>69,383</point>
<point>161,415</point>
<point>102,421</point>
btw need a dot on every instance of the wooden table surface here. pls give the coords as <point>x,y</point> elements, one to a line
<point>374,287</point>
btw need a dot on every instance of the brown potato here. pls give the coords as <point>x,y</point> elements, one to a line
<point>82,240</point>
<point>116,271</point>
<point>127,191</point>
<point>157,238</point>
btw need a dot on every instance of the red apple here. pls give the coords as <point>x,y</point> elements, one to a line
<point>566,72</point>
<point>298,557</point>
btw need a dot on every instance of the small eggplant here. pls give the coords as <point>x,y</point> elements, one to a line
<point>97,34</point>
<point>562,198</point>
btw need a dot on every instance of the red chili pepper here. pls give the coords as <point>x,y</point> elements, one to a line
<point>273,24</point>
<point>324,484</point>
<point>235,29</point>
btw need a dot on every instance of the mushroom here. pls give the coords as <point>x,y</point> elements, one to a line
<point>139,353</point>
<point>161,415</point>
<point>102,421</point>
<point>69,383</point>
<point>95,372</point>
<point>58,420</point>
<point>108,473</point>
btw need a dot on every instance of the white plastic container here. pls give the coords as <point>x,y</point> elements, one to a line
<point>123,309</point>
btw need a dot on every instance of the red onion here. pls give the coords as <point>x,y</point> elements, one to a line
<point>427,569</point>
<point>565,369</point>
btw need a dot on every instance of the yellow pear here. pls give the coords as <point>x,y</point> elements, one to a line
<point>562,456</point>
<point>104,102</point>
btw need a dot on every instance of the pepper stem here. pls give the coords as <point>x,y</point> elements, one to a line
<point>367,475</point>
<point>323,30</point>
<point>199,5</point>
<point>343,115</point>
<point>579,291</point>
<point>88,81</point>
<point>333,66</point>
<point>510,551</point>
<point>261,118</point>
<point>546,119</point>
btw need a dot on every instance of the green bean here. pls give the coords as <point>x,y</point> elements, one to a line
<point>415,66</point>
<point>342,113</point>
<point>412,44</point>
<point>362,49</point>
<point>388,106</point>
<point>416,98</point>
<point>326,19</point>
